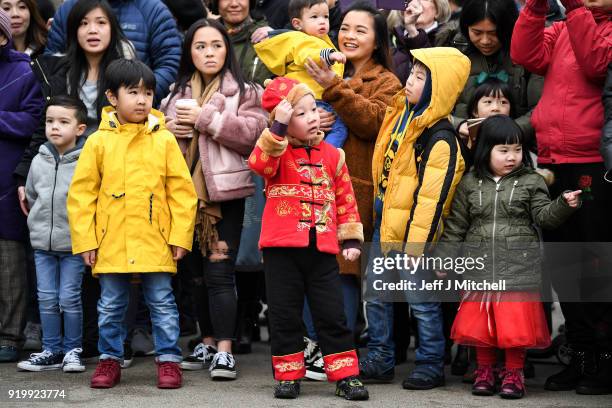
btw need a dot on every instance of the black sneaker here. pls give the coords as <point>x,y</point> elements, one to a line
<point>372,371</point>
<point>350,388</point>
<point>287,389</point>
<point>423,378</point>
<point>223,366</point>
<point>46,360</point>
<point>201,357</point>
<point>313,360</point>
<point>128,355</point>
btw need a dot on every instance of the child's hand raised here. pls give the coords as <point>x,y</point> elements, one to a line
<point>89,257</point>
<point>572,198</point>
<point>337,57</point>
<point>351,254</point>
<point>284,110</point>
<point>178,253</point>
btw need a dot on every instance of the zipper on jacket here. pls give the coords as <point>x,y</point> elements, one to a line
<point>497,185</point>
<point>151,209</point>
<point>52,202</point>
<point>480,192</point>
<point>512,192</point>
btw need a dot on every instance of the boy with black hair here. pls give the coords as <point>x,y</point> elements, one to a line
<point>59,273</point>
<point>131,208</point>
<point>285,53</point>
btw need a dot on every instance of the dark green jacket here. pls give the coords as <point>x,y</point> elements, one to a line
<point>495,221</point>
<point>252,68</point>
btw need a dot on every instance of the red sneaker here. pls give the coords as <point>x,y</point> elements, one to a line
<point>107,374</point>
<point>169,375</point>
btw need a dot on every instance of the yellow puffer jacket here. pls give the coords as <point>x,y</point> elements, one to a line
<point>420,189</point>
<point>286,55</point>
<point>131,197</point>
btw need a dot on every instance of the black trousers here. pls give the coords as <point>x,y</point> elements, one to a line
<point>292,273</point>
<point>588,324</point>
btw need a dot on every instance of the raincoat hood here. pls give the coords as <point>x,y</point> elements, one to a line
<point>155,121</point>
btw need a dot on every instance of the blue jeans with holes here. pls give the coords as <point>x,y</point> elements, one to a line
<point>59,276</point>
<point>112,306</point>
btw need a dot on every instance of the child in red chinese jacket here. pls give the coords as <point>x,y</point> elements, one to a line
<point>310,207</point>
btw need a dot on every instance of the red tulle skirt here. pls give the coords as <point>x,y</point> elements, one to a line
<point>502,320</point>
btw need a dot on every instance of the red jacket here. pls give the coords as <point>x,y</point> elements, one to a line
<point>305,191</point>
<point>574,56</point>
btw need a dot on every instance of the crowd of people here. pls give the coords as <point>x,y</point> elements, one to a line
<point>176,168</point>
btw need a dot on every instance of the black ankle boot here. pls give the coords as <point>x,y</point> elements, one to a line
<point>571,375</point>
<point>461,362</point>
<point>598,382</point>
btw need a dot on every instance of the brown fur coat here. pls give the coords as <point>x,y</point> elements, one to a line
<point>361,102</point>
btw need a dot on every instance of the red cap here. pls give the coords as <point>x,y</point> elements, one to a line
<point>276,90</point>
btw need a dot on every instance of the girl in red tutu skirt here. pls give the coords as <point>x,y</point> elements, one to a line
<point>492,215</point>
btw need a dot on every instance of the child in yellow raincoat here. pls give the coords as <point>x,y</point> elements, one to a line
<point>131,208</point>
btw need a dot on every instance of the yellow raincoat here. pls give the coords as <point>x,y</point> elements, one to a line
<point>413,210</point>
<point>286,55</point>
<point>131,197</point>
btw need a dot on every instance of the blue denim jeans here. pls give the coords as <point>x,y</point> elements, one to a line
<point>59,276</point>
<point>350,292</point>
<point>429,354</point>
<point>379,315</point>
<point>112,306</point>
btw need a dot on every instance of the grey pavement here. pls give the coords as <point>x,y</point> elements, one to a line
<point>253,388</point>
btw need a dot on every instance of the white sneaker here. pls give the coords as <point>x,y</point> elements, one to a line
<point>72,361</point>
<point>223,367</point>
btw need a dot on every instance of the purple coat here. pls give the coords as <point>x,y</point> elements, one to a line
<point>21,106</point>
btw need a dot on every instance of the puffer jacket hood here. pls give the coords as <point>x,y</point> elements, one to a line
<point>46,191</point>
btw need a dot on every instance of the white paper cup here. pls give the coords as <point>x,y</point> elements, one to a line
<point>183,103</point>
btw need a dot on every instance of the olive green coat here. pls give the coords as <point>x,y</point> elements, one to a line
<point>496,221</point>
<point>252,67</point>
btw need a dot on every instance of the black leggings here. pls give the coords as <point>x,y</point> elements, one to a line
<point>219,275</point>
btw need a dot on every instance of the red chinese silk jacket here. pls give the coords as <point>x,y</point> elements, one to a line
<point>306,187</point>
